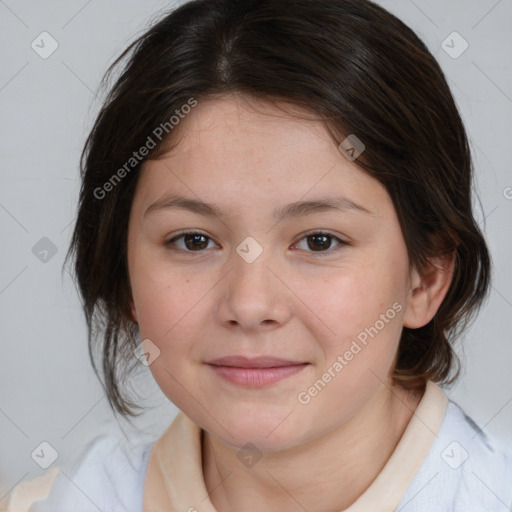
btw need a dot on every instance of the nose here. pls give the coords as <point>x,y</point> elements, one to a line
<point>254,295</point>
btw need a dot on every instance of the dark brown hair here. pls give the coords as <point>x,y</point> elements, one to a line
<point>349,62</point>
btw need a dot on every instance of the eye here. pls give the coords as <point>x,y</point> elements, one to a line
<point>320,241</point>
<point>193,241</point>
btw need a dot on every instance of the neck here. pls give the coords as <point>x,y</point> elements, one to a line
<point>327,474</point>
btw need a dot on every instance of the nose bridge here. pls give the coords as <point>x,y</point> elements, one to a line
<point>254,294</point>
<point>251,274</point>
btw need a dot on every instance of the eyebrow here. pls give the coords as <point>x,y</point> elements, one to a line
<point>298,209</point>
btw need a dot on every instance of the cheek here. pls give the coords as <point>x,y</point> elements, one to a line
<point>167,302</point>
<point>358,313</point>
<point>364,307</point>
<point>353,299</point>
<point>169,308</point>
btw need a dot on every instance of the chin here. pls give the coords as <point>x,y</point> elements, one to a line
<point>268,431</point>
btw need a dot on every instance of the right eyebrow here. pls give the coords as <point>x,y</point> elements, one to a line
<point>185,203</point>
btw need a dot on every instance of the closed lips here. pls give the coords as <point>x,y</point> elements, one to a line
<point>258,362</point>
<point>255,372</point>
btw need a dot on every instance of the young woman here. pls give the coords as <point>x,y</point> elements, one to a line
<point>275,217</point>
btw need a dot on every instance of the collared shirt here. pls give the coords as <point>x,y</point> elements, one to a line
<point>443,463</point>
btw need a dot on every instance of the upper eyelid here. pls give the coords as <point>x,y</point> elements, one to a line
<point>320,232</point>
<point>181,234</point>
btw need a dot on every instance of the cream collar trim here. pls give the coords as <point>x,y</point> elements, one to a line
<point>175,483</point>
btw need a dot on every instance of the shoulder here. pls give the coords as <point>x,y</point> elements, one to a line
<point>466,469</point>
<point>108,474</point>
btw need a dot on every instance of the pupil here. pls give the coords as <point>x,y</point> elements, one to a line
<point>196,241</point>
<point>322,240</point>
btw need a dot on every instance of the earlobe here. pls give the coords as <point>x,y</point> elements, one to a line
<point>428,291</point>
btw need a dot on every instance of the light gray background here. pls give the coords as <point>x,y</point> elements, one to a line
<point>48,389</point>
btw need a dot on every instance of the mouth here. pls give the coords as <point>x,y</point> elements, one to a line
<point>255,372</point>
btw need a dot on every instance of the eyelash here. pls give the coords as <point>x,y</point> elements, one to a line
<point>169,243</point>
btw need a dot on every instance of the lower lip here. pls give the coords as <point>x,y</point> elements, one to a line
<point>256,377</point>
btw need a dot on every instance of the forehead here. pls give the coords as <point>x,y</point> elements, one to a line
<point>238,147</point>
<point>238,122</point>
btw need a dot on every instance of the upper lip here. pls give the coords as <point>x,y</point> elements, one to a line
<point>255,362</point>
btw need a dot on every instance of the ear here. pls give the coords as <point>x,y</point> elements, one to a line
<point>428,291</point>
<point>134,311</point>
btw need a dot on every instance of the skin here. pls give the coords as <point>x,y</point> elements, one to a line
<point>292,302</point>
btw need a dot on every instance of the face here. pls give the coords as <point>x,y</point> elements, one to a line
<point>323,286</point>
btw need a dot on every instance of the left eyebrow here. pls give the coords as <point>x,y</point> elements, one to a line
<point>298,209</point>
<point>303,208</point>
